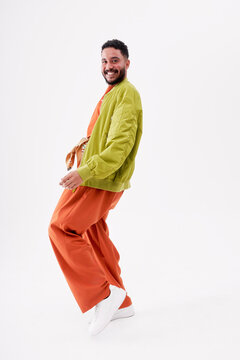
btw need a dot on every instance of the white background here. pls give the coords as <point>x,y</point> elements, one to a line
<point>176,228</point>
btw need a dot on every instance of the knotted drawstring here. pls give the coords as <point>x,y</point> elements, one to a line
<point>78,151</point>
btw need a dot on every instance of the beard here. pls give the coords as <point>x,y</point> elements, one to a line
<point>118,79</point>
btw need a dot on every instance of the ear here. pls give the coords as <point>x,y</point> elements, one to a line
<point>127,63</point>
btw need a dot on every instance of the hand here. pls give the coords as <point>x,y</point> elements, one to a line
<point>71,180</point>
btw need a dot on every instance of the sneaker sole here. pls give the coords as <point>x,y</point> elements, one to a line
<point>122,313</point>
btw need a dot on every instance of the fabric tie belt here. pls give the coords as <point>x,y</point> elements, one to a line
<point>78,151</point>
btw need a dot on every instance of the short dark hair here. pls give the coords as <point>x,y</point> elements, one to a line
<point>117,44</point>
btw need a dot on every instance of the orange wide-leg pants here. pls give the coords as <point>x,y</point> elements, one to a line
<point>80,239</point>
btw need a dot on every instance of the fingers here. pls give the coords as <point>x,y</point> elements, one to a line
<point>66,182</point>
<point>70,187</point>
<point>71,181</point>
<point>69,184</point>
<point>65,178</point>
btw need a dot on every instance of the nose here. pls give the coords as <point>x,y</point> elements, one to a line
<point>109,66</point>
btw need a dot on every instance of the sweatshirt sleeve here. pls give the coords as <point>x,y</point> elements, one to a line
<point>119,142</point>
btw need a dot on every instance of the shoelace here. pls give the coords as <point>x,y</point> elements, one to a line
<point>97,309</point>
<point>95,312</point>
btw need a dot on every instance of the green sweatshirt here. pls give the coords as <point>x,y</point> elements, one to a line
<point>108,160</point>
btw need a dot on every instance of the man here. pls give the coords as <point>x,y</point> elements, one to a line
<point>78,231</point>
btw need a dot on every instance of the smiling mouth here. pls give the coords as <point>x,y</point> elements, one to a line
<point>111,73</point>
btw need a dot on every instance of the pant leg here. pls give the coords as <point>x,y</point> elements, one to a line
<point>74,214</point>
<point>107,254</point>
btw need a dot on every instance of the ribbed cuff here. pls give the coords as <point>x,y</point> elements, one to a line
<point>84,172</point>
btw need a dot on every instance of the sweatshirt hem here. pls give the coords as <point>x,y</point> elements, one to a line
<point>106,185</point>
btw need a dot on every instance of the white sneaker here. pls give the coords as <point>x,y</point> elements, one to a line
<point>124,312</point>
<point>106,308</point>
<point>121,313</point>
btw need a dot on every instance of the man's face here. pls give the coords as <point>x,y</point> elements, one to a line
<point>114,65</point>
